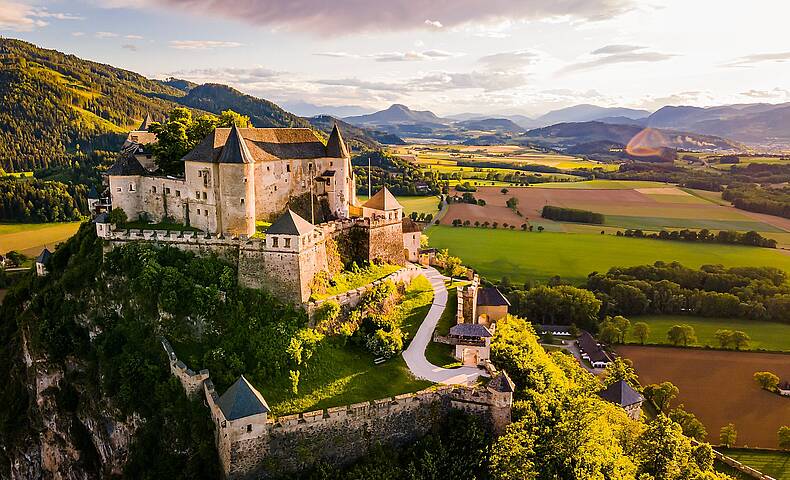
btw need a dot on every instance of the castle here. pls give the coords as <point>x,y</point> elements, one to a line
<point>239,178</point>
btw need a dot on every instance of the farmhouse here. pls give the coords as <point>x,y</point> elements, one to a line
<point>592,351</point>
<point>41,262</point>
<point>621,393</point>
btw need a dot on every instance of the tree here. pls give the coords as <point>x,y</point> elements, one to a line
<point>641,331</point>
<point>453,267</point>
<point>690,424</point>
<point>663,450</point>
<point>620,369</point>
<point>724,337</point>
<point>623,325</point>
<point>784,437</point>
<point>661,394</point>
<point>117,216</point>
<point>609,333</point>
<point>682,335</point>
<point>424,241</point>
<point>740,339</point>
<point>504,191</point>
<point>728,435</point>
<point>767,381</point>
<point>540,228</point>
<point>629,299</point>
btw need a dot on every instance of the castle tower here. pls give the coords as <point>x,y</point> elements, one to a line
<point>345,191</point>
<point>236,201</point>
<point>383,206</point>
<point>501,388</point>
<point>384,219</point>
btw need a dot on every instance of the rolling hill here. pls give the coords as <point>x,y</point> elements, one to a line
<point>587,113</point>
<point>490,124</point>
<point>397,114</point>
<point>356,137</point>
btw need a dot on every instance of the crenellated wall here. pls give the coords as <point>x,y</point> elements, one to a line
<point>259,447</point>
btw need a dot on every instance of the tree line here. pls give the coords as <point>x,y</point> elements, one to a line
<point>563,214</point>
<point>33,200</point>
<point>750,238</point>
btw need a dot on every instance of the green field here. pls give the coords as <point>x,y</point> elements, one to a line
<point>659,223</point>
<point>764,335</point>
<point>428,204</point>
<point>539,256</point>
<point>31,238</point>
<point>775,464</point>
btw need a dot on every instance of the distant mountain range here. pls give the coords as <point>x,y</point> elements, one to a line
<point>397,114</point>
<point>588,113</point>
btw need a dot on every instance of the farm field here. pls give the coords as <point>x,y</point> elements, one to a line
<point>410,204</point>
<point>31,238</point>
<point>634,205</point>
<point>764,335</point>
<point>718,388</point>
<point>539,256</point>
<point>775,464</point>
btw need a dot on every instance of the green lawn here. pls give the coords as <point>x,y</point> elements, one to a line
<point>775,464</point>
<point>348,280</point>
<point>441,354</point>
<point>341,374</point>
<point>658,223</point>
<point>539,256</point>
<point>764,335</point>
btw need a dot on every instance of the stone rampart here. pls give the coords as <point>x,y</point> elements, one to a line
<point>259,447</point>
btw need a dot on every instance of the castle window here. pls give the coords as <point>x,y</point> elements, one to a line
<point>268,168</point>
<point>178,193</point>
<point>331,164</point>
<point>200,173</point>
<point>131,187</point>
<point>287,243</point>
<point>153,189</point>
<point>205,213</point>
<point>274,242</point>
<point>288,168</point>
<point>197,195</point>
<point>275,188</point>
<point>118,189</point>
<point>249,428</point>
<point>198,211</point>
<point>242,201</point>
<point>204,195</point>
<point>167,190</point>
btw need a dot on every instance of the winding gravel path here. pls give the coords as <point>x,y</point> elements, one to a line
<point>415,353</point>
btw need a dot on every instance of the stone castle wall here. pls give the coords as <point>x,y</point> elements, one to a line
<point>259,447</point>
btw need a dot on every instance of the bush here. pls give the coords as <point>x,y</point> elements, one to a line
<point>385,344</point>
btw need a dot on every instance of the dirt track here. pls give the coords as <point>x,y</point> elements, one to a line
<point>718,387</point>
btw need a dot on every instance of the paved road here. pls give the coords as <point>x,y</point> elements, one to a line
<point>415,353</point>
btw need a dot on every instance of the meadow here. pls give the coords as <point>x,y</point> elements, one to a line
<point>764,335</point>
<point>31,238</point>
<point>521,256</point>
<point>773,463</point>
<point>718,388</point>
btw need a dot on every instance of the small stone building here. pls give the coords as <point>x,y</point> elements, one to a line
<point>41,262</point>
<point>411,239</point>
<point>472,343</point>
<point>624,395</point>
<point>491,305</point>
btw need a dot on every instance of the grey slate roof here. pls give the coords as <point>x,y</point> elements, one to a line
<point>235,150</point>
<point>127,164</point>
<point>290,224</point>
<point>491,297</point>
<point>470,330</point>
<point>102,218</point>
<point>335,146</point>
<point>621,393</point>
<point>93,194</point>
<point>146,123</point>
<point>43,256</point>
<point>242,400</point>
<point>383,200</point>
<point>502,383</point>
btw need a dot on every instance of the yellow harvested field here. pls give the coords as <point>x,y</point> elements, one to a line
<point>31,238</point>
<point>662,191</point>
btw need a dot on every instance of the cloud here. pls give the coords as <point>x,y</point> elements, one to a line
<point>612,49</point>
<point>77,34</point>
<point>615,54</point>
<point>20,17</point>
<point>438,82</point>
<point>105,35</point>
<point>130,47</point>
<point>505,61</point>
<point>202,44</point>
<point>751,60</point>
<point>244,76</point>
<point>342,17</point>
<point>410,56</point>
<point>773,94</point>
<point>133,37</point>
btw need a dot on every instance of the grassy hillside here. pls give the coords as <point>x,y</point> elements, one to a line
<point>52,104</point>
<point>539,256</point>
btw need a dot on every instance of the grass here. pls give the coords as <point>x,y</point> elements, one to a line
<point>775,464</point>
<point>349,280</point>
<point>539,256</point>
<point>342,374</point>
<point>658,223</point>
<point>31,238</point>
<point>765,335</point>
<point>441,354</point>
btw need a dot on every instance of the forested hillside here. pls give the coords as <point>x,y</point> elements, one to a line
<point>52,104</point>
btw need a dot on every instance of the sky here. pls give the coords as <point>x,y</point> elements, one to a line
<point>449,56</point>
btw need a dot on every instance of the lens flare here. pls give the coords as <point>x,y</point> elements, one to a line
<point>647,143</point>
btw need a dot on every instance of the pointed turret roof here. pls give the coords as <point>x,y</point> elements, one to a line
<point>383,200</point>
<point>242,400</point>
<point>127,164</point>
<point>43,256</point>
<point>335,146</point>
<point>290,224</point>
<point>235,149</point>
<point>621,393</point>
<point>147,121</point>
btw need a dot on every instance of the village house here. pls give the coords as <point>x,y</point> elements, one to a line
<point>472,343</point>
<point>622,394</point>
<point>41,262</point>
<point>592,351</point>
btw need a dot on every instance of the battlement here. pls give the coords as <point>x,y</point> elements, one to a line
<point>259,446</point>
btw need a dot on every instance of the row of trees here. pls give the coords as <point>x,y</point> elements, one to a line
<point>773,201</point>
<point>723,236</point>
<point>571,215</point>
<point>33,200</point>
